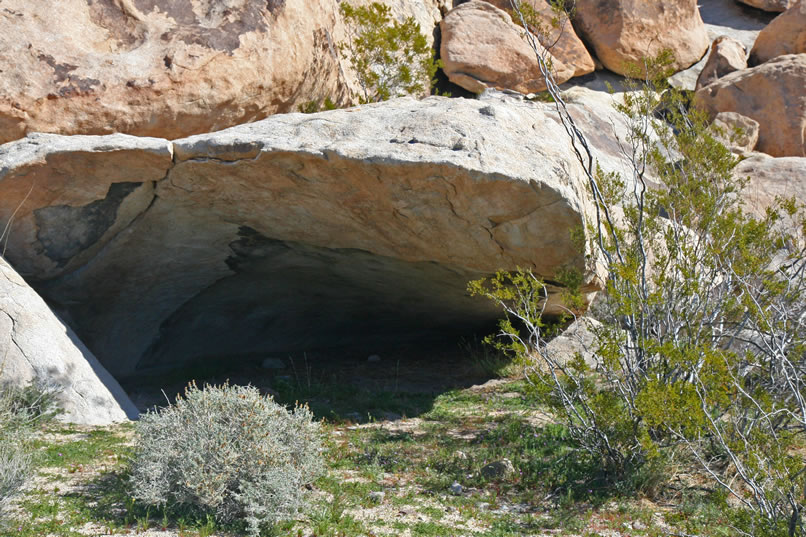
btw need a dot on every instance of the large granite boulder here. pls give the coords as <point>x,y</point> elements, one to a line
<point>770,5</point>
<point>724,18</point>
<point>772,94</point>
<point>555,33</point>
<point>482,48</point>
<point>295,232</point>
<point>624,32</point>
<point>786,34</point>
<point>727,55</point>
<point>169,68</point>
<point>36,344</point>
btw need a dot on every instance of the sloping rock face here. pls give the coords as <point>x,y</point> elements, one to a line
<point>292,233</point>
<point>482,48</point>
<point>769,5</point>
<point>786,34</point>
<point>727,55</point>
<point>168,68</point>
<point>772,94</point>
<point>36,343</point>
<point>624,32</point>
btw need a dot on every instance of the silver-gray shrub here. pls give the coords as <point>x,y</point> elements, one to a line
<point>229,451</point>
<point>15,450</point>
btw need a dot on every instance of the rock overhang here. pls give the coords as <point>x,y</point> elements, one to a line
<point>431,193</point>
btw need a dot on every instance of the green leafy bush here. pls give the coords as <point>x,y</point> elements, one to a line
<point>390,59</point>
<point>229,451</point>
<point>700,354</point>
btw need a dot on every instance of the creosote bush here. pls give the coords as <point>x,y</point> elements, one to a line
<point>390,58</point>
<point>700,355</point>
<point>230,452</point>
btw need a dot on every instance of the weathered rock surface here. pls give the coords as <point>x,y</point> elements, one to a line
<point>786,34</point>
<point>772,94</point>
<point>727,55</point>
<point>769,5</point>
<point>169,68</point>
<point>624,32</point>
<point>738,132</point>
<point>771,178</point>
<point>293,232</point>
<point>563,41</point>
<point>606,131</point>
<point>482,48</point>
<point>34,342</point>
<point>577,339</point>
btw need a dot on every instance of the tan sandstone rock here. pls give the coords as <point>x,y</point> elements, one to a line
<point>561,39</point>
<point>294,232</point>
<point>727,55</point>
<point>35,343</point>
<point>169,68</point>
<point>771,178</point>
<point>482,48</point>
<point>786,34</point>
<point>770,5</point>
<point>737,132</point>
<point>624,32</point>
<point>772,94</point>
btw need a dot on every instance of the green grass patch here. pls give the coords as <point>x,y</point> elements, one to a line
<point>92,446</point>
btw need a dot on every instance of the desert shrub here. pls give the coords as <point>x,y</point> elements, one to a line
<point>21,410</point>
<point>700,353</point>
<point>36,402</point>
<point>390,59</point>
<point>229,451</point>
<point>15,452</point>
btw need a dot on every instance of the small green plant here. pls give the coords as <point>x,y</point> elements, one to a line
<point>228,452</point>
<point>15,454</point>
<point>332,520</point>
<point>390,59</point>
<point>485,359</point>
<point>311,107</point>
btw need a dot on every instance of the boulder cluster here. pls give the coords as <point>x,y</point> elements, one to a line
<point>166,202</point>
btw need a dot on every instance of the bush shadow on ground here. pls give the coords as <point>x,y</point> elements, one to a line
<point>341,385</point>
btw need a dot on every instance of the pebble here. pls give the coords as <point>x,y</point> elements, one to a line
<point>456,488</point>
<point>498,469</point>
<point>377,496</point>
